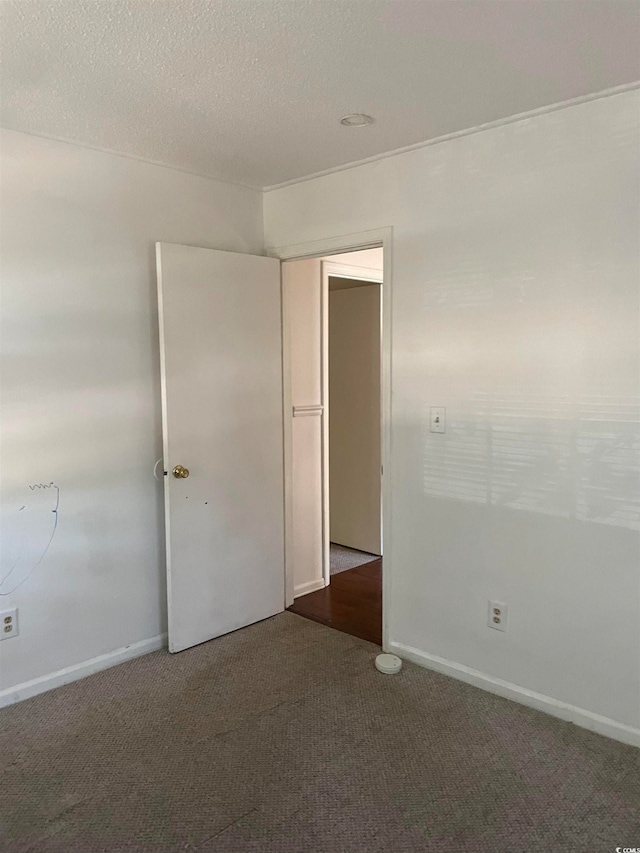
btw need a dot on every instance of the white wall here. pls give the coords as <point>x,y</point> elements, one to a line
<point>515,305</point>
<point>80,390</point>
<point>354,417</point>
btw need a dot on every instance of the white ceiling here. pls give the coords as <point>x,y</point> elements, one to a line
<point>251,91</point>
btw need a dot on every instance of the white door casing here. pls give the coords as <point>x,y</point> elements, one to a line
<point>221,368</point>
<point>376,238</point>
<point>305,288</point>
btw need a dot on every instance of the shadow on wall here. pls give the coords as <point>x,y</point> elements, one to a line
<point>554,455</point>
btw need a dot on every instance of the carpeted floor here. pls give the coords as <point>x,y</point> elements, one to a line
<point>342,558</point>
<point>283,738</point>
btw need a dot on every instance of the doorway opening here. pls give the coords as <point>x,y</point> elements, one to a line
<point>332,307</point>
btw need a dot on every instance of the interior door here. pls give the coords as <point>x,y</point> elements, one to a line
<point>221,363</point>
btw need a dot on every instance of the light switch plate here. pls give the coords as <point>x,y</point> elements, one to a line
<point>438,416</point>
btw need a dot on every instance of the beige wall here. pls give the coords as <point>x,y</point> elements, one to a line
<point>368,258</point>
<point>354,417</point>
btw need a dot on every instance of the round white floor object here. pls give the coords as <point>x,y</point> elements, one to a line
<point>389,664</point>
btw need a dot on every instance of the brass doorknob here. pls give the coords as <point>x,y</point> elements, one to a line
<point>180,472</point>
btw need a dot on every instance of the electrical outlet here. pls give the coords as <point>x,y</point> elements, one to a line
<point>8,624</point>
<point>497,615</point>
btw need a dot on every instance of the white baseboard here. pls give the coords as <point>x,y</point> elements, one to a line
<point>80,670</point>
<point>585,719</point>
<point>309,586</point>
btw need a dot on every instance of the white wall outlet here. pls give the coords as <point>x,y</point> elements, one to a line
<point>497,615</point>
<point>438,419</point>
<point>8,624</point>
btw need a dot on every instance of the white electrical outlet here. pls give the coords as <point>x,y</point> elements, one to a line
<point>497,615</point>
<point>8,624</point>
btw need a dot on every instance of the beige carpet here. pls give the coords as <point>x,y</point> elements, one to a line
<point>283,738</point>
<point>342,558</point>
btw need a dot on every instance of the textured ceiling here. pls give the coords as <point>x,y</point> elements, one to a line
<point>251,91</point>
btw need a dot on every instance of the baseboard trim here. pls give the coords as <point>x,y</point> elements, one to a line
<point>27,689</point>
<point>309,586</point>
<point>570,713</point>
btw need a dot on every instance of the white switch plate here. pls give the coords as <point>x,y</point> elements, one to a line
<point>8,624</point>
<point>438,419</point>
<point>497,617</point>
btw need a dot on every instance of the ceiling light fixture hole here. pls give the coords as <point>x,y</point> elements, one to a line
<point>356,120</point>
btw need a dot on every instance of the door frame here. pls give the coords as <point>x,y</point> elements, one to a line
<point>333,245</point>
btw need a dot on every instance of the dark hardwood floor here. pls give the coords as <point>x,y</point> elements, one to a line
<point>352,602</point>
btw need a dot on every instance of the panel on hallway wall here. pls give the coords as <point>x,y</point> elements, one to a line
<point>354,417</point>
<point>302,301</point>
<point>307,505</point>
<point>302,291</point>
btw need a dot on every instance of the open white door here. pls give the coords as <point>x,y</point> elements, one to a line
<point>221,361</point>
